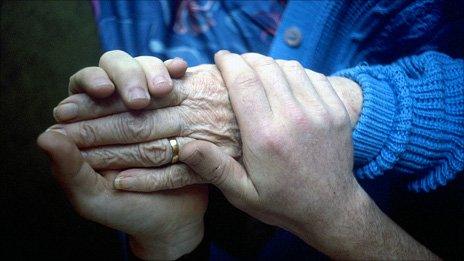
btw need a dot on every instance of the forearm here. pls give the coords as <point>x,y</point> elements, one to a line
<point>363,232</point>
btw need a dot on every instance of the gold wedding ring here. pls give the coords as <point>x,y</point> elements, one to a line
<point>175,150</point>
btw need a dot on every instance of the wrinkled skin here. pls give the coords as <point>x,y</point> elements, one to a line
<point>200,110</point>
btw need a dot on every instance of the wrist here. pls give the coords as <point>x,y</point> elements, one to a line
<point>350,94</point>
<point>336,231</point>
<point>170,246</point>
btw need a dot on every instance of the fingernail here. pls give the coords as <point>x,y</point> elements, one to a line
<point>124,182</point>
<point>138,94</point>
<point>56,128</point>
<point>178,59</point>
<point>162,82</point>
<point>220,52</point>
<point>65,112</point>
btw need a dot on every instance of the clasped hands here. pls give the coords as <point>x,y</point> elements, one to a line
<point>274,137</point>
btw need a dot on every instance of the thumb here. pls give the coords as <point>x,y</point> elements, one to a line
<point>218,168</point>
<point>71,171</point>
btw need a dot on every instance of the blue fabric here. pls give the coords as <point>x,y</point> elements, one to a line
<point>193,30</point>
<point>412,119</point>
<point>406,56</point>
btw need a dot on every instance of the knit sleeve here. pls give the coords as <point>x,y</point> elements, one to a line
<point>412,119</point>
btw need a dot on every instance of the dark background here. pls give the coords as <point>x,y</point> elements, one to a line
<point>42,44</point>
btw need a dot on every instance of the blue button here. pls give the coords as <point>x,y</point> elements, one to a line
<point>293,36</point>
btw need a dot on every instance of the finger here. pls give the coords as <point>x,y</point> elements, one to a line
<point>149,180</point>
<point>176,67</point>
<point>218,168</point>
<point>273,79</point>
<point>300,84</point>
<point>84,108</point>
<point>246,91</point>
<point>128,76</point>
<point>72,172</point>
<point>325,91</point>
<point>157,75</point>
<point>124,128</point>
<point>141,155</point>
<point>91,80</point>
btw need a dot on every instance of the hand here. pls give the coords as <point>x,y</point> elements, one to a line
<point>200,109</point>
<point>162,225</point>
<point>296,144</point>
<point>297,161</point>
<point>205,113</point>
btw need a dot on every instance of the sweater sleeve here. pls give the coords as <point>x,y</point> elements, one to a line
<point>412,119</point>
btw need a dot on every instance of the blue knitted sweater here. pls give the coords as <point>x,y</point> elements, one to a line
<point>406,56</point>
<point>399,52</point>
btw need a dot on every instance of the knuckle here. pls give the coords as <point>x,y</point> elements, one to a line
<point>148,59</point>
<point>132,72</point>
<point>177,177</point>
<point>196,158</point>
<point>322,119</point>
<point>87,133</point>
<point>111,54</point>
<point>135,127</point>
<point>319,78</point>
<point>272,141</point>
<point>292,65</point>
<point>246,80</point>
<point>299,119</point>
<point>263,62</point>
<point>340,118</point>
<point>152,153</point>
<point>152,182</point>
<point>217,174</point>
<point>88,71</point>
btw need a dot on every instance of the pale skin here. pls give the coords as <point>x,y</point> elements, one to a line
<point>293,123</point>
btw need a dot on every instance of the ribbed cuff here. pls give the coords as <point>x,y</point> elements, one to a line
<point>412,119</point>
<point>376,122</point>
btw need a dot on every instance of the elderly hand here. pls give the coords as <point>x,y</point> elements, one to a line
<point>111,138</point>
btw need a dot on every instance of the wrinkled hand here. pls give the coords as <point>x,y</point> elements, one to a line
<point>197,108</point>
